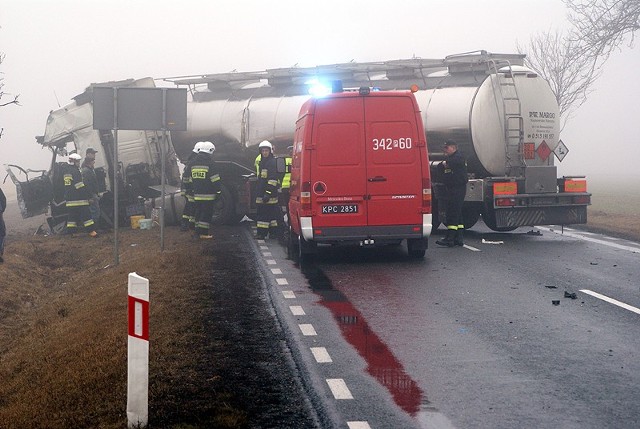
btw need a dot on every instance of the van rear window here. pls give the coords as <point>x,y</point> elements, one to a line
<point>339,144</point>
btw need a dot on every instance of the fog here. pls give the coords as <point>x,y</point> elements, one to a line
<point>55,49</point>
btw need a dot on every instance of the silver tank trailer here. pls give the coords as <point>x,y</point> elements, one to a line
<point>474,116</point>
<point>467,109</point>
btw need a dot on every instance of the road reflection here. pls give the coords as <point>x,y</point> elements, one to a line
<point>381,363</point>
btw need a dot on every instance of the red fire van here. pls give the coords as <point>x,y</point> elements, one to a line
<point>360,173</point>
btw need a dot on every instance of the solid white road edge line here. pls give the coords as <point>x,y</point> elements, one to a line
<point>611,300</point>
<point>321,355</point>
<point>339,388</point>
<point>593,240</point>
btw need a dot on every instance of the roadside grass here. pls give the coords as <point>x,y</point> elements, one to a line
<point>615,209</point>
<point>63,334</point>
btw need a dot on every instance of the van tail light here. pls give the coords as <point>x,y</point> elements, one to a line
<point>426,193</point>
<point>305,196</point>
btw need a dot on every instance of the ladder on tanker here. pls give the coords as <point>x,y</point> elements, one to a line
<point>504,85</point>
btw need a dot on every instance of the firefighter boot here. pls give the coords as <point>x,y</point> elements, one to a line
<point>448,239</point>
<point>458,240</point>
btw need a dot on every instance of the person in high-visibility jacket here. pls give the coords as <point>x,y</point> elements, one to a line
<point>188,220</point>
<point>268,211</point>
<point>205,181</point>
<point>284,188</point>
<point>77,198</point>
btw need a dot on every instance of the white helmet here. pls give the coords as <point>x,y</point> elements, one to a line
<point>197,146</point>
<point>266,143</point>
<point>207,147</point>
<point>74,157</point>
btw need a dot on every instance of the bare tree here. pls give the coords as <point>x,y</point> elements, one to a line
<point>602,25</point>
<point>552,55</point>
<point>573,62</point>
<point>2,93</point>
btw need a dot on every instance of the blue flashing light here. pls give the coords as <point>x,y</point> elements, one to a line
<point>317,88</point>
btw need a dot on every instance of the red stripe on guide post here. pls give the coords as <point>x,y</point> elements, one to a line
<point>142,333</point>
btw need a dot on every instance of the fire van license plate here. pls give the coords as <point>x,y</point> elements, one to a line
<point>339,208</point>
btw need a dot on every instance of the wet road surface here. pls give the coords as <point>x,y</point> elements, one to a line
<point>481,336</point>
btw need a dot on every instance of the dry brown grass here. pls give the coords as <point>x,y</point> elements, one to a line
<point>63,330</point>
<point>615,208</point>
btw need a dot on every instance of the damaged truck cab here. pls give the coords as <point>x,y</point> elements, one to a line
<point>70,129</point>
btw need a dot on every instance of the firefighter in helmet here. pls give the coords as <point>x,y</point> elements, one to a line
<point>205,181</point>
<point>77,198</point>
<point>188,220</point>
<point>267,193</point>
<point>453,171</point>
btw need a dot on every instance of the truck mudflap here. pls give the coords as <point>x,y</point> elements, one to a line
<point>531,216</point>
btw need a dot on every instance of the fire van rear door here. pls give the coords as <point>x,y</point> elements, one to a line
<point>394,167</point>
<point>338,171</point>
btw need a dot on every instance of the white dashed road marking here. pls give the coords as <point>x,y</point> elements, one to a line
<point>267,254</point>
<point>358,425</point>
<point>297,310</point>
<point>611,300</point>
<point>339,388</point>
<point>288,294</point>
<point>271,262</point>
<point>307,329</point>
<point>282,281</point>
<point>321,354</point>
<point>276,271</point>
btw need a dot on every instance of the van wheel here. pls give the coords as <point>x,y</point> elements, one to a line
<point>417,247</point>
<point>306,251</point>
<point>435,216</point>
<point>292,246</point>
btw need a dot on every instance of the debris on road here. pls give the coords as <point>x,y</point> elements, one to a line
<point>492,242</point>
<point>570,295</point>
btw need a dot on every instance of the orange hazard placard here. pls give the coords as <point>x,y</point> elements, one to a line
<point>505,188</point>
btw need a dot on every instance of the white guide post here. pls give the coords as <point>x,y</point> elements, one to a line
<point>138,352</point>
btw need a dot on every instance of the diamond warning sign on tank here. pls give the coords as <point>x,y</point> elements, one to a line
<point>543,151</point>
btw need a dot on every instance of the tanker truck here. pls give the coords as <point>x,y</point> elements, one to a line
<point>503,116</point>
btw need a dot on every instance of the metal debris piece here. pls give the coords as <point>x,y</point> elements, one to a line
<point>555,302</point>
<point>570,295</point>
<point>492,242</point>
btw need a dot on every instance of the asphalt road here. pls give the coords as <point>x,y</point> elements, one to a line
<point>468,337</point>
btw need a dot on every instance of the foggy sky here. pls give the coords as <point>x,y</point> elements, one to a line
<point>55,49</point>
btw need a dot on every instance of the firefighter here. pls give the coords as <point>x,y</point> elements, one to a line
<point>267,193</point>
<point>188,220</point>
<point>77,198</point>
<point>454,177</point>
<point>205,181</point>
<point>285,185</point>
